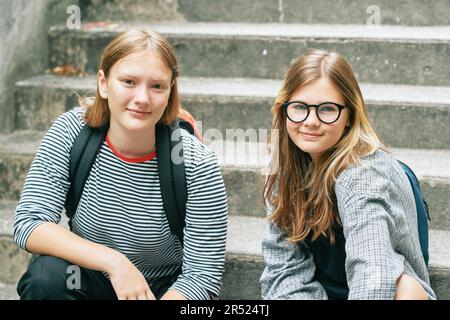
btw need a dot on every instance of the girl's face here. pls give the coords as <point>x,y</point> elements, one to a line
<point>312,135</point>
<point>137,89</point>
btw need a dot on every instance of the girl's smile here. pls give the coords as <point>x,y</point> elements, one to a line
<point>138,114</point>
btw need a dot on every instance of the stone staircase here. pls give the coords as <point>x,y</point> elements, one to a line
<point>233,55</point>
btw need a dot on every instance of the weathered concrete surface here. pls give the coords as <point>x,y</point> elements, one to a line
<point>130,10</point>
<point>390,54</point>
<point>403,116</point>
<point>400,12</point>
<point>24,50</point>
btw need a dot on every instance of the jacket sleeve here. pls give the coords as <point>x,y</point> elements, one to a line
<point>289,269</point>
<point>366,208</point>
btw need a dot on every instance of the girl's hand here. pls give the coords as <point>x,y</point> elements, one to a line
<point>409,288</point>
<point>127,281</point>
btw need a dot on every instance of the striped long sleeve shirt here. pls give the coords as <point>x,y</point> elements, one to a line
<point>121,207</point>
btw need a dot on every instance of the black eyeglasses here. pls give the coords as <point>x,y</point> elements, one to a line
<point>326,112</point>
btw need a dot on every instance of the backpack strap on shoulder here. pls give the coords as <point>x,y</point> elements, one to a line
<point>172,177</point>
<point>82,157</point>
<point>423,214</point>
<point>187,126</point>
<point>178,171</point>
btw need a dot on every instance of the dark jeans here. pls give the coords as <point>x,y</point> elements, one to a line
<point>51,278</point>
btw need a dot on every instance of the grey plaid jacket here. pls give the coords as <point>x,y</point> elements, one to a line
<point>378,213</point>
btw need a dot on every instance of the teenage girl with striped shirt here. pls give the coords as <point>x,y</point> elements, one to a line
<point>120,239</point>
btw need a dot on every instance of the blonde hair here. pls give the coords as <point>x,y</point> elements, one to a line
<point>125,44</point>
<point>301,191</point>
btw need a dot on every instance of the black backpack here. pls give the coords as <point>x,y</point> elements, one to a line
<point>171,175</point>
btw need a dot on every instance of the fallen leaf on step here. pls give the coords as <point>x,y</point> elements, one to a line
<point>97,24</point>
<point>66,70</point>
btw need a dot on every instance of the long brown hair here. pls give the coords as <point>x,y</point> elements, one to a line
<point>125,44</point>
<point>300,191</point>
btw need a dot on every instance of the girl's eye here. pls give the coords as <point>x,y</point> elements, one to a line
<point>128,82</point>
<point>157,86</point>
<point>300,107</point>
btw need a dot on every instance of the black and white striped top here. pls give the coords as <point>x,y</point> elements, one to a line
<point>121,207</point>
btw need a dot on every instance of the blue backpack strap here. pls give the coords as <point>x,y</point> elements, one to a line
<point>423,215</point>
<point>82,157</point>
<point>172,177</point>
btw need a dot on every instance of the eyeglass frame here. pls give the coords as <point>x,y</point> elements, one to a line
<point>339,106</point>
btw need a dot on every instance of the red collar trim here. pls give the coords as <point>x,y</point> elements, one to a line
<point>150,156</point>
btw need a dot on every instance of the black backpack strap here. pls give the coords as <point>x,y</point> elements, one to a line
<point>172,177</point>
<point>178,172</point>
<point>82,157</point>
<point>187,126</point>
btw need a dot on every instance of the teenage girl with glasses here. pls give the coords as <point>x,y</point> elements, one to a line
<point>341,212</point>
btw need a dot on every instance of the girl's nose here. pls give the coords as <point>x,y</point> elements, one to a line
<point>312,120</point>
<point>142,96</point>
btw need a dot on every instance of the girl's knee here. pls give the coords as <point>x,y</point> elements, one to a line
<point>46,278</point>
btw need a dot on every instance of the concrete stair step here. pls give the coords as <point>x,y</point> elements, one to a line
<point>13,260</point>
<point>404,116</point>
<point>245,234</point>
<point>243,166</point>
<point>288,11</point>
<point>248,231</point>
<point>319,11</point>
<point>131,10</point>
<point>388,54</point>
<point>251,158</point>
<point>244,262</point>
<point>8,292</point>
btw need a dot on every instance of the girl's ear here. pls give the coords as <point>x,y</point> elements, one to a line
<point>102,85</point>
<point>349,121</point>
